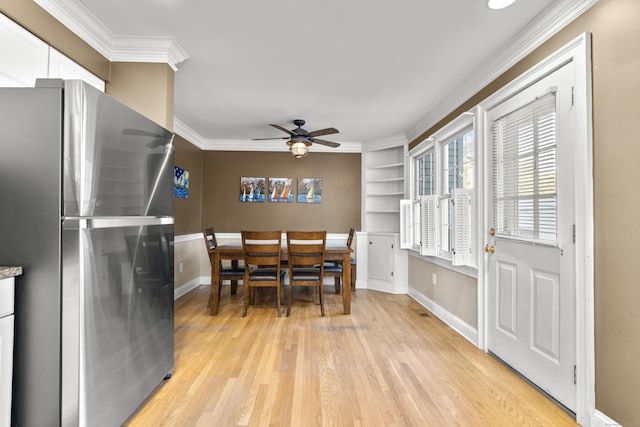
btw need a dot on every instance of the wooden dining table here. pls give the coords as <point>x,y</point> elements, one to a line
<point>233,251</point>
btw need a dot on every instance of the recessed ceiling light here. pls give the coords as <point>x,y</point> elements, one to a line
<point>499,4</point>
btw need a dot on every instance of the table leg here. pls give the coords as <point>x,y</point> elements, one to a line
<point>215,284</point>
<point>346,278</point>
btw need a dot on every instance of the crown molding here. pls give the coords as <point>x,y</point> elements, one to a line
<point>77,18</point>
<point>247,145</point>
<point>386,142</point>
<point>547,24</point>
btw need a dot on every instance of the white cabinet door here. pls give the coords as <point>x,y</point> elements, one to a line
<point>381,257</point>
<point>62,67</point>
<point>6,368</point>
<point>23,56</point>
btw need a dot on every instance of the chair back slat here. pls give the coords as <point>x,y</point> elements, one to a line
<point>306,252</point>
<point>262,256</point>
<point>210,238</point>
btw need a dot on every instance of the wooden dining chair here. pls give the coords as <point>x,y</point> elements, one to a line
<point>334,268</point>
<point>232,273</point>
<point>262,264</point>
<point>305,251</point>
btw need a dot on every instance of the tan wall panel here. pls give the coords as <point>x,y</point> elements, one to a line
<point>189,254</point>
<point>147,88</point>
<point>453,291</point>
<point>222,209</point>
<point>188,212</point>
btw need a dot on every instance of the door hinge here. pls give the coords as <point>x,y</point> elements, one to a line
<point>392,246</point>
<point>574,233</point>
<point>575,374</point>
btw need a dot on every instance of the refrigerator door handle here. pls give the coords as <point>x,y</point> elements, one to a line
<point>111,222</point>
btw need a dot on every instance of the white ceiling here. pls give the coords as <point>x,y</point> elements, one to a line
<point>373,69</point>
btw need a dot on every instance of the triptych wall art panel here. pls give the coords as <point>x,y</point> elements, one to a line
<point>280,190</point>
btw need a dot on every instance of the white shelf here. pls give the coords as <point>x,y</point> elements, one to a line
<point>397,193</point>
<point>387,166</point>
<point>400,179</point>
<point>383,179</point>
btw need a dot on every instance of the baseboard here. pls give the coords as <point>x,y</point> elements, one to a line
<point>601,420</point>
<point>189,286</point>
<point>454,322</point>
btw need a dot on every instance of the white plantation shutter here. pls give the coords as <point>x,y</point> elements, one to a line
<point>461,227</point>
<point>429,224</point>
<point>406,224</point>
<point>524,170</point>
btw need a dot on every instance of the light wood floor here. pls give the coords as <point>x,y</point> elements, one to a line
<point>389,363</point>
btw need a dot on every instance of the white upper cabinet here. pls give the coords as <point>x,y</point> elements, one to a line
<point>25,58</point>
<point>62,67</point>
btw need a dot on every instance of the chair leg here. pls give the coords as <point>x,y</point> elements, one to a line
<point>336,281</point>
<point>353,277</point>
<point>290,300</point>
<point>245,305</point>
<point>321,291</point>
<point>278,298</point>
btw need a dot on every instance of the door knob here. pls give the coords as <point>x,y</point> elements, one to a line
<point>489,249</point>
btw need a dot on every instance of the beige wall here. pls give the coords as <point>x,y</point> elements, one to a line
<point>147,88</point>
<point>615,28</point>
<point>453,291</point>
<point>188,212</point>
<point>222,209</point>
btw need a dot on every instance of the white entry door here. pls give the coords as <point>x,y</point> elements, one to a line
<point>530,250</point>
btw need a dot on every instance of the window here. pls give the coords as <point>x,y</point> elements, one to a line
<point>426,170</point>
<point>437,221</point>
<point>457,161</point>
<point>524,171</point>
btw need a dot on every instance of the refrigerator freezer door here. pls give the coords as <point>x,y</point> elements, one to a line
<point>117,319</point>
<point>116,161</point>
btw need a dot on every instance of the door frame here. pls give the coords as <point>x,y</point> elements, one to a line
<point>577,51</point>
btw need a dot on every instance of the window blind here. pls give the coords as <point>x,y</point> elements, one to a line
<point>524,170</point>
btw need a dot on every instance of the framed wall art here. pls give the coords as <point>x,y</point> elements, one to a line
<point>309,190</point>
<point>252,190</point>
<point>280,190</point>
<point>180,183</point>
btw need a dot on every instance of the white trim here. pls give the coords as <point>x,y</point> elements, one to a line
<point>599,419</point>
<point>187,287</point>
<point>77,18</point>
<point>187,237</point>
<point>457,324</point>
<point>247,145</point>
<point>386,142</point>
<point>577,51</point>
<point>556,17</point>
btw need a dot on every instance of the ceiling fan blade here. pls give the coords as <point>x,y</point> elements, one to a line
<point>265,139</point>
<point>327,131</point>
<point>283,129</point>
<point>323,142</point>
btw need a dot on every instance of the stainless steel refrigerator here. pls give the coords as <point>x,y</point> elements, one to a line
<point>86,208</point>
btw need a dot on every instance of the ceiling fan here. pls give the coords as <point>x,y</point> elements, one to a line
<point>299,139</point>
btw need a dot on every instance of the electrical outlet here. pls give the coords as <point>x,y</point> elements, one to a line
<point>180,268</point>
<point>433,278</point>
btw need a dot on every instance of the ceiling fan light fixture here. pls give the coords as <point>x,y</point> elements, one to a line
<point>499,4</point>
<point>299,149</point>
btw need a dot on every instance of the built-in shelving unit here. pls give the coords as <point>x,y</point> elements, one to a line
<point>382,265</point>
<point>383,170</point>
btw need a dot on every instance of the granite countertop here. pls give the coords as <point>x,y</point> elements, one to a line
<point>6,272</point>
